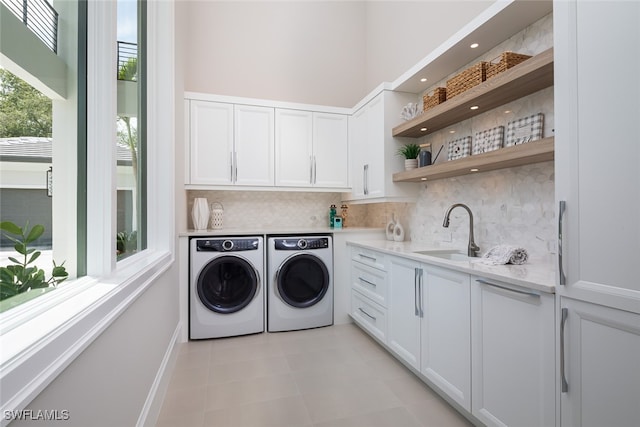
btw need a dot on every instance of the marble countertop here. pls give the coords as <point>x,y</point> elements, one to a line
<point>276,230</point>
<point>537,274</point>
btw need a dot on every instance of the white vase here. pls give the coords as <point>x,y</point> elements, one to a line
<point>200,213</point>
<point>410,164</point>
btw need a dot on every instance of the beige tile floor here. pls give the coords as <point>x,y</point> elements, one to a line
<point>328,377</point>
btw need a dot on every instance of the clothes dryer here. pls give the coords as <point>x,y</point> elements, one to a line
<point>300,282</point>
<point>226,292</point>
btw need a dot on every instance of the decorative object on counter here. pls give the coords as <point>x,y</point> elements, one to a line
<point>410,153</point>
<point>217,215</point>
<point>410,111</point>
<point>332,215</point>
<point>503,62</point>
<point>459,148</point>
<point>466,79</point>
<point>398,232</point>
<point>505,254</point>
<point>424,158</point>
<point>337,222</point>
<point>488,140</point>
<point>200,213</point>
<point>343,214</point>
<point>391,225</point>
<point>436,97</point>
<point>524,130</point>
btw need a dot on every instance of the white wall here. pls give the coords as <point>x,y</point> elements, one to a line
<point>308,52</point>
<point>108,383</point>
<point>316,52</point>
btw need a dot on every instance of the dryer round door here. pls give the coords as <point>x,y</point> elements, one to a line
<point>302,280</point>
<point>227,284</point>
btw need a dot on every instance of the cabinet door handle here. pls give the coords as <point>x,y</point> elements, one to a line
<point>561,209</point>
<point>235,169</point>
<point>315,170</point>
<point>415,291</point>
<point>231,166</point>
<point>310,169</point>
<point>367,281</point>
<point>495,285</point>
<point>367,314</point>
<point>420,290</point>
<point>365,179</point>
<point>563,376</point>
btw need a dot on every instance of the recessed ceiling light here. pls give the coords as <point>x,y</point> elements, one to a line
<point>423,129</point>
<point>474,45</point>
<point>452,131</point>
<point>424,79</point>
<point>423,179</point>
<point>507,111</point>
<point>475,107</point>
<point>474,170</point>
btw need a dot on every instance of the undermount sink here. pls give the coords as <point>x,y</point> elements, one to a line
<point>450,254</point>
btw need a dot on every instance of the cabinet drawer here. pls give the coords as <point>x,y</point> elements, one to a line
<point>371,258</point>
<point>369,315</point>
<point>370,282</point>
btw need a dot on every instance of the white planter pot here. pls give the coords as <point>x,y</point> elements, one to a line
<point>410,164</point>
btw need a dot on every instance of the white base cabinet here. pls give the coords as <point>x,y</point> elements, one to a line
<point>446,332</point>
<point>488,347</point>
<point>513,355</point>
<point>601,361</point>
<point>404,309</point>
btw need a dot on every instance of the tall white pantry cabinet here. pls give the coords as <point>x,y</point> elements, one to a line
<point>597,158</point>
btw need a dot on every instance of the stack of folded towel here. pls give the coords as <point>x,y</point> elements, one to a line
<point>505,254</point>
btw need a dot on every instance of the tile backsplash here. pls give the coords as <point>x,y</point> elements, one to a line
<point>510,206</point>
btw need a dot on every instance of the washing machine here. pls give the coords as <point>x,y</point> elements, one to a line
<point>300,282</point>
<point>226,292</point>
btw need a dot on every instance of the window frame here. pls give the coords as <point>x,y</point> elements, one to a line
<point>49,332</point>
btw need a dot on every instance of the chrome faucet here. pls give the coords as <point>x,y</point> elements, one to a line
<point>473,249</point>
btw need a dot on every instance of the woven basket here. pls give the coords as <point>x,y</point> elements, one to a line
<point>503,62</point>
<point>467,79</point>
<point>433,98</point>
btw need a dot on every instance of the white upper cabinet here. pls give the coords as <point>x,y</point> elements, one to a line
<point>254,145</point>
<point>330,150</point>
<point>230,144</point>
<point>294,148</point>
<point>211,143</point>
<point>311,149</point>
<point>373,150</point>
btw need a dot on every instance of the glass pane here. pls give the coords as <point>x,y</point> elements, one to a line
<point>227,284</point>
<point>303,281</point>
<point>130,170</point>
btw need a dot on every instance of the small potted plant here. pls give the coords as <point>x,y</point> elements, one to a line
<point>410,153</point>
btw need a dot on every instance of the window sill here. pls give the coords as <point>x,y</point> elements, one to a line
<point>34,352</point>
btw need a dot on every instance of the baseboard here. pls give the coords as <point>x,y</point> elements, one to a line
<point>151,409</point>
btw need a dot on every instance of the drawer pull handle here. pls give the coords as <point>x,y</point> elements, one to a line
<point>372,258</point>
<point>367,282</point>
<point>367,314</point>
<point>485,282</point>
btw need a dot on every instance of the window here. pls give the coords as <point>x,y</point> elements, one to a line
<point>38,339</point>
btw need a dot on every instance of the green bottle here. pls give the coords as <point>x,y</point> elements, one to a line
<point>332,215</point>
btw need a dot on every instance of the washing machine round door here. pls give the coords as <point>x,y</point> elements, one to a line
<point>302,280</point>
<point>227,284</point>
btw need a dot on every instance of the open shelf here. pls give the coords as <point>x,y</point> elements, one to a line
<point>528,77</point>
<point>517,155</point>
